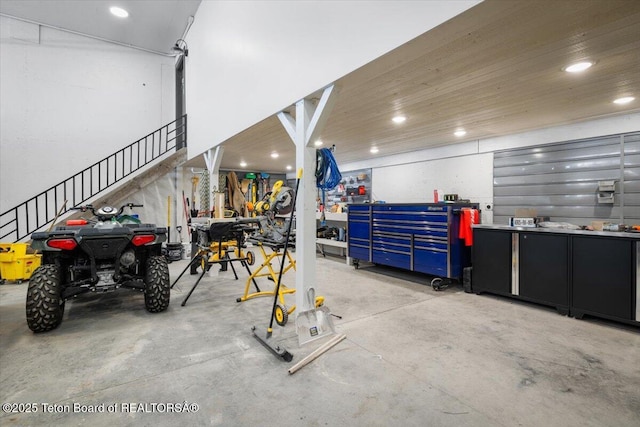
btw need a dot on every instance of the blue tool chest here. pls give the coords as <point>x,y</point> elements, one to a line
<point>420,237</point>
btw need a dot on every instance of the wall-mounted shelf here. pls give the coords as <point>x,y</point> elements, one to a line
<point>333,216</point>
<point>606,190</point>
<point>329,242</point>
<point>335,219</point>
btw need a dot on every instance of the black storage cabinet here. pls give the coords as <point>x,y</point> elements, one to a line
<point>577,272</point>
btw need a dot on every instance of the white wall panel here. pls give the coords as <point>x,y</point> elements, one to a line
<point>68,101</point>
<point>468,176</point>
<point>250,59</point>
<point>455,150</point>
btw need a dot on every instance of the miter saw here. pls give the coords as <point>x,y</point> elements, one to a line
<point>278,202</point>
<point>270,224</point>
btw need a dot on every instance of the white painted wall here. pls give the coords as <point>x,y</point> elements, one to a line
<point>470,177</point>
<point>155,199</point>
<point>67,101</point>
<point>250,59</point>
<point>466,169</point>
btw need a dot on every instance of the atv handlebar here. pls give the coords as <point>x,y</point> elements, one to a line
<point>107,211</point>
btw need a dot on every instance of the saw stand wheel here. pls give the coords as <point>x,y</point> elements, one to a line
<point>281,314</point>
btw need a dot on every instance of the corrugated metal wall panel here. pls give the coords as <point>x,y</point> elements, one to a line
<point>631,160</point>
<point>544,190</point>
<point>586,152</point>
<point>561,180</point>
<point>632,199</point>
<point>631,215</point>
<point>631,187</point>
<point>558,178</point>
<point>567,212</point>
<point>552,200</point>
<point>631,175</point>
<point>600,163</point>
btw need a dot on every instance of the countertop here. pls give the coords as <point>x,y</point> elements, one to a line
<point>617,234</point>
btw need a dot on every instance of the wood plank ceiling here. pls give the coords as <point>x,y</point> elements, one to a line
<point>496,69</point>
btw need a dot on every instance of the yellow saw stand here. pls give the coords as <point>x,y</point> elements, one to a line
<point>282,312</point>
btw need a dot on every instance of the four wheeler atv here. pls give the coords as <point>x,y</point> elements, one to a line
<point>102,255</point>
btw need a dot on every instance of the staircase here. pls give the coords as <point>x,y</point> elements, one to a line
<point>109,173</point>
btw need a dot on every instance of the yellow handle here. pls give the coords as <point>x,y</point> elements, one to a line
<point>299,173</point>
<point>169,210</point>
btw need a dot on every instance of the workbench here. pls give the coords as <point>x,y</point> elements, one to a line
<point>578,272</point>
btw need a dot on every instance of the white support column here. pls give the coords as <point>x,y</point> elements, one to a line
<point>305,210</point>
<point>179,217</point>
<point>213,159</point>
<point>308,122</point>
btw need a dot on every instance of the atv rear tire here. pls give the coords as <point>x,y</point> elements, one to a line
<point>157,289</point>
<point>45,306</point>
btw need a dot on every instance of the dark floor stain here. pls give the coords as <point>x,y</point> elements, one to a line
<point>589,358</point>
<point>528,369</point>
<point>527,382</point>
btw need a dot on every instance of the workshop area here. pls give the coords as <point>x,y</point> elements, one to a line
<point>412,356</point>
<point>248,213</point>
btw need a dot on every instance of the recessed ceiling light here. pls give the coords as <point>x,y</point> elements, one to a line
<point>399,119</point>
<point>288,167</point>
<point>624,100</point>
<point>243,164</point>
<point>274,155</point>
<point>460,132</point>
<point>578,67</point>
<point>373,150</point>
<point>318,143</point>
<point>119,12</point>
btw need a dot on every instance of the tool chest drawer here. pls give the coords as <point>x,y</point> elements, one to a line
<point>431,262</point>
<point>359,253</point>
<point>392,259</point>
<point>359,232</point>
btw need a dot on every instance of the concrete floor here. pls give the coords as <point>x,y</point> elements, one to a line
<point>412,357</point>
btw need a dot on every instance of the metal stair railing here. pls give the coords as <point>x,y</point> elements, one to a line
<point>40,210</point>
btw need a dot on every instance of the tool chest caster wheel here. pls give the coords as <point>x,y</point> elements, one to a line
<point>439,283</point>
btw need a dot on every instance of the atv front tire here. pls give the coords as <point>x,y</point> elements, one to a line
<point>157,290</point>
<point>45,306</point>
